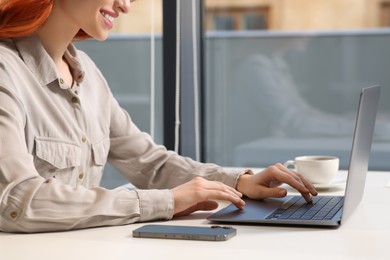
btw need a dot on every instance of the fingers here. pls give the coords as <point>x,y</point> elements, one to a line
<point>297,181</point>
<point>189,196</point>
<point>308,185</point>
<point>273,192</point>
<point>220,191</point>
<point>205,205</point>
<point>299,178</point>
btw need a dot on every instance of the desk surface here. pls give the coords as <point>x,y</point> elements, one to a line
<point>365,235</point>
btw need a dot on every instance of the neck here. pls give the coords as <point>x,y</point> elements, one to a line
<point>56,34</point>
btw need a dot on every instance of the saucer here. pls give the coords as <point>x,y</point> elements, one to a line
<point>328,186</point>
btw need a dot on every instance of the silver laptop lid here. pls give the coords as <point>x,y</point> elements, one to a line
<point>361,148</point>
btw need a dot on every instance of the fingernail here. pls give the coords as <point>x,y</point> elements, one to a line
<point>282,193</point>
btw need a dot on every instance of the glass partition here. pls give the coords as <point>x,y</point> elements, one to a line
<point>292,89</point>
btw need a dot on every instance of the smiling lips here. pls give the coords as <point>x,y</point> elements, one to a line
<point>108,19</point>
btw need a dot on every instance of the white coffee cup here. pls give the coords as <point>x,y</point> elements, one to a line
<point>318,169</point>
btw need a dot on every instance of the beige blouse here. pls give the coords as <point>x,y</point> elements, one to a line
<point>55,141</point>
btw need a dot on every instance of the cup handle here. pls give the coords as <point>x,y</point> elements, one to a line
<point>289,163</point>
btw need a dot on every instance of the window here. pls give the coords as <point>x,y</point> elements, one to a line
<point>291,90</point>
<point>385,14</point>
<point>236,18</point>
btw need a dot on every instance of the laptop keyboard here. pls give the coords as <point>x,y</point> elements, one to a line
<point>322,208</point>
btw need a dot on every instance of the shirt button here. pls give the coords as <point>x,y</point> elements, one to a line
<point>74,100</point>
<point>81,175</point>
<point>62,81</point>
<point>84,139</point>
<point>13,214</point>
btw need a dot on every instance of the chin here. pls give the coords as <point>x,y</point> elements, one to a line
<point>98,34</point>
<point>101,38</point>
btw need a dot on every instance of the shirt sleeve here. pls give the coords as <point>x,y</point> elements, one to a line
<point>148,165</point>
<point>31,203</point>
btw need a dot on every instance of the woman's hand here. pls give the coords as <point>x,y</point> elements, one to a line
<point>198,194</point>
<point>266,183</point>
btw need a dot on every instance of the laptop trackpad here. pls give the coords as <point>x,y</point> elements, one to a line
<point>253,210</point>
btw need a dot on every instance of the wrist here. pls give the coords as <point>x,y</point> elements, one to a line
<point>243,180</point>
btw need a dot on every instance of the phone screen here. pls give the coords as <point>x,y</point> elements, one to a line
<point>211,233</point>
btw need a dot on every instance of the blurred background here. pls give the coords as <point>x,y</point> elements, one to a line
<point>280,78</point>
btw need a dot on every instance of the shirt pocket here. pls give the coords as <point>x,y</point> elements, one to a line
<point>56,158</point>
<point>100,151</point>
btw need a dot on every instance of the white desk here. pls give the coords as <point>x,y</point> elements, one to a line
<point>365,236</point>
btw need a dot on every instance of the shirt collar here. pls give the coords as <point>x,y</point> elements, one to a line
<point>41,64</point>
<point>74,62</point>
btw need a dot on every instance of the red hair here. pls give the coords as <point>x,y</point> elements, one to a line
<point>19,18</point>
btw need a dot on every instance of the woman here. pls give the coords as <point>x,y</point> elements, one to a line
<point>59,125</point>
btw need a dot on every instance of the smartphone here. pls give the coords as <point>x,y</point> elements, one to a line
<point>211,233</point>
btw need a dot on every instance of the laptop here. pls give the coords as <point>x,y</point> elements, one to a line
<point>325,211</point>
